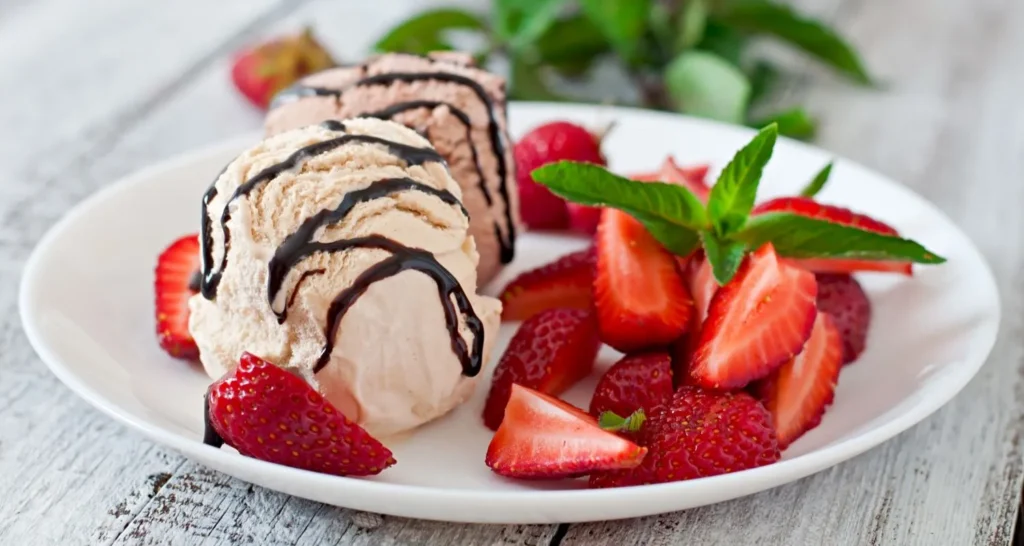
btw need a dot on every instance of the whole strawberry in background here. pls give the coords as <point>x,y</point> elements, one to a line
<point>548,143</point>
<point>261,71</point>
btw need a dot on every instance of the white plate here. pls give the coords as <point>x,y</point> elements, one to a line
<point>86,304</point>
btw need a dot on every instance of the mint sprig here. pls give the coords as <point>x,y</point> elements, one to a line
<point>725,228</point>
<point>818,182</point>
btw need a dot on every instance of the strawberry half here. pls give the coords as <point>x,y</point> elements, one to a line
<point>805,206</point>
<point>641,381</point>
<point>639,295</point>
<point>692,177</point>
<point>543,437</point>
<point>176,271</point>
<point>699,433</point>
<point>269,414</point>
<point>701,283</point>
<point>756,322</point>
<point>799,392</point>
<point>845,301</point>
<point>550,352</point>
<point>565,282</point>
<point>260,72</point>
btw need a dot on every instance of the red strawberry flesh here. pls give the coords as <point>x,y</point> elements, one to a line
<point>640,297</point>
<point>175,272</point>
<point>642,381</point>
<point>270,414</point>
<point>550,352</point>
<point>756,322</point>
<point>543,437</point>
<point>843,298</point>
<point>799,392</point>
<point>566,283</point>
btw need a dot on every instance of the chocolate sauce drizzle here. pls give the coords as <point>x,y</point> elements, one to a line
<point>210,435</point>
<point>506,241</point>
<point>404,258</point>
<point>211,278</point>
<point>300,244</point>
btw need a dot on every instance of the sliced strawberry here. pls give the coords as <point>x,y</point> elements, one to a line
<point>176,270</point>
<point>805,206</point>
<point>565,282</point>
<point>260,72</point>
<point>701,283</point>
<point>756,322</point>
<point>843,298</point>
<point>543,437</point>
<point>640,297</point>
<point>692,177</point>
<point>699,433</point>
<point>550,352</point>
<point>799,392</point>
<point>584,219</point>
<point>642,381</point>
<point>270,414</point>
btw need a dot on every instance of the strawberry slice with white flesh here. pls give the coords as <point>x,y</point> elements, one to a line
<point>756,322</point>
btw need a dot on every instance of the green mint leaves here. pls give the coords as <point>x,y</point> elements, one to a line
<point>819,181</point>
<point>612,422</point>
<point>732,197</point>
<point>427,31</point>
<point>725,228</point>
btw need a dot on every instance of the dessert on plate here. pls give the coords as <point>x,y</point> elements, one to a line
<point>458,107</point>
<point>332,292</point>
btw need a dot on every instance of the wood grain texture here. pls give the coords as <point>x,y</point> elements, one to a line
<point>124,95</point>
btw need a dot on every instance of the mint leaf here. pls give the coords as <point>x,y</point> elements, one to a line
<point>724,255</point>
<point>819,181</point>
<point>528,83</point>
<point>798,236</point>
<point>622,22</point>
<point>670,212</point>
<point>706,85</point>
<point>693,20</point>
<point>763,77</point>
<point>611,421</point>
<point>571,45</point>
<point>723,41</point>
<point>732,197</point>
<point>521,22</point>
<point>424,32</point>
<point>813,37</point>
<point>795,123</point>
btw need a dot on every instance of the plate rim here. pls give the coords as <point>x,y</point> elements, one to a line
<point>536,500</point>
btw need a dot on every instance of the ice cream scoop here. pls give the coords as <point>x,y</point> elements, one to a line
<point>458,107</point>
<point>342,252</point>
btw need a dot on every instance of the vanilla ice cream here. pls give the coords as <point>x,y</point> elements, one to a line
<point>342,252</point>
<point>458,107</point>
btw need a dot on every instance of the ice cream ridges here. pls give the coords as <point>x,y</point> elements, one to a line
<point>342,252</point>
<point>458,107</point>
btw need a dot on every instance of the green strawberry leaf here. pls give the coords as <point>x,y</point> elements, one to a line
<point>732,197</point>
<point>819,181</point>
<point>623,22</point>
<point>693,20</point>
<point>798,236</point>
<point>571,45</point>
<point>794,123</point>
<point>706,85</point>
<point>424,32</point>
<point>521,22</point>
<point>670,212</point>
<point>811,36</point>
<point>724,255</point>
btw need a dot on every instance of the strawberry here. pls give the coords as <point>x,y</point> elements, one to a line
<point>700,433</point>
<point>756,322</point>
<point>270,414</point>
<point>550,352</point>
<point>543,437</point>
<point>584,219</point>
<point>692,178</point>
<point>260,72</point>
<point>805,206</point>
<point>842,297</point>
<point>642,381</point>
<point>548,143</point>
<point>799,392</point>
<point>640,297</point>
<point>565,282</point>
<point>176,274</point>
<point>701,283</point>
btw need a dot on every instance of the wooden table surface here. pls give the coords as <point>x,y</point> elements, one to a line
<point>90,91</point>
